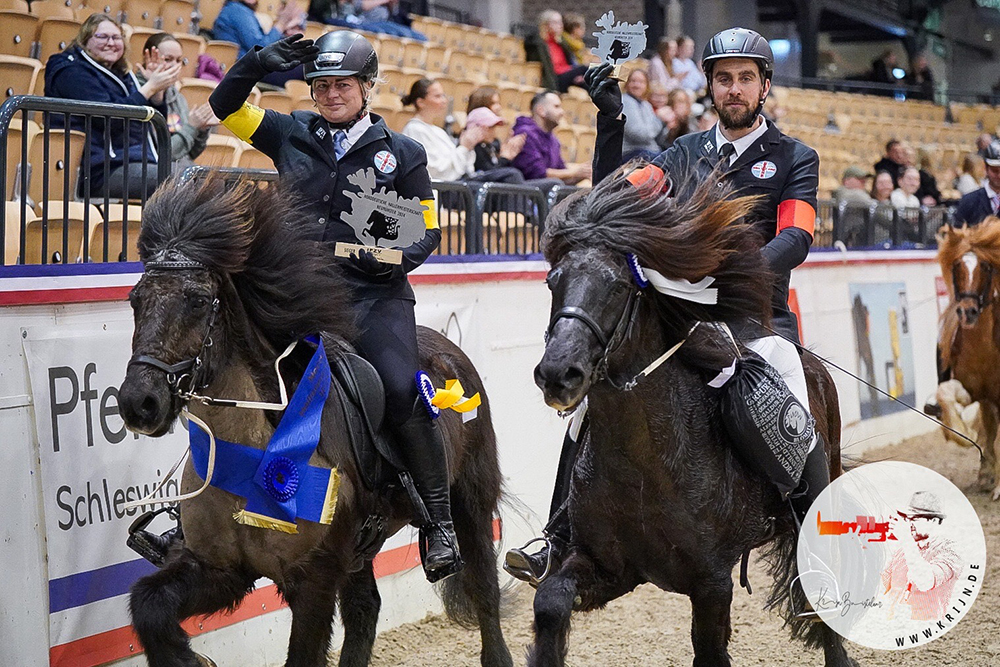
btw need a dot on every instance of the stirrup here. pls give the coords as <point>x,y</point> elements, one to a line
<point>456,565</point>
<point>517,563</point>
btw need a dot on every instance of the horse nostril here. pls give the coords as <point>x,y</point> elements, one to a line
<point>149,407</point>
<point>573,377</point>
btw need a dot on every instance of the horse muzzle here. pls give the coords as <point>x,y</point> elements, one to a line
<point>145,402</point>
<point>968,313</point>
<point>563,385</point>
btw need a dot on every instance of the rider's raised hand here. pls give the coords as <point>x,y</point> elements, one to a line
<point>604,91</point>
<point>287,53</point>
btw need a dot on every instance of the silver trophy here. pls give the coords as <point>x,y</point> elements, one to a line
<point>619,42</point>
<point>382,221</point>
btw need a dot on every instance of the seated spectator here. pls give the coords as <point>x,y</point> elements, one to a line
<point>883,66</point>
<point>971,174</point>
<point>687,70</point>
<point>882,187</point>
<point>94,68</point>
<point>894,160</point>
<point>559,70</point>
<point>975,206</point>
<point>238,23</point>
<point>445,160</point>
<point>485,96</point>
<point>189,130</point>
<point>491,155</point>
<point>921,77</point>
<point>680,101</point>
<point>642,126</point>
<point>574,32</point>
<point>540,157</point>
<point>905,196</point>
<point>983,142</point>
<point>381,16</point>
<point>661,66</point>
<point>853,187</point>
<point>928,192</point>
<point>707,120</point>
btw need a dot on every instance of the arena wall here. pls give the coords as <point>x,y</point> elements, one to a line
<point>496,310</point>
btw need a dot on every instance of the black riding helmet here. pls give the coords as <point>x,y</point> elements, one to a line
<point>738,43</point>
<point>343,53</point>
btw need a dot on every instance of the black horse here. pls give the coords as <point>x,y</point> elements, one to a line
<point>233,280</point>
<point>657,494</point>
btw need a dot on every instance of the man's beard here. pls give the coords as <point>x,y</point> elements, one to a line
<point>738,118</point>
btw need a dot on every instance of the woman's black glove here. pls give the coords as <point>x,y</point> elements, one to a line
<point>605,93</point>
<point>287,53</point>
<point>365,262</point>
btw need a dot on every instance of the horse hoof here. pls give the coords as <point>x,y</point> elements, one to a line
<point>996,493</point>
<point>205,661</point>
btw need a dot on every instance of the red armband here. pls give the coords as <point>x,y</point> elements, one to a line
<point>796,213</point>
<point>649,176</point>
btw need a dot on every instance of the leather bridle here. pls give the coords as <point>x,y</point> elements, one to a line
<point>983,296</point>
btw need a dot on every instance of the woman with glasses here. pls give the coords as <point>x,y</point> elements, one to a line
<point>95,68</point>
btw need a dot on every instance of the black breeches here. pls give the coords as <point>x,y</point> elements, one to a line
<point>388,341</point>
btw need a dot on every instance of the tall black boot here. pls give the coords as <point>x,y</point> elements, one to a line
<point>815,478</point>
<point>423,448</point>
<point>534,567</point>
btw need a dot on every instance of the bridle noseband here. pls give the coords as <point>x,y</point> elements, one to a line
<point>187,376</point>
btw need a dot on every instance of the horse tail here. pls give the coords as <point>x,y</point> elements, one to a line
<point>786,594</point>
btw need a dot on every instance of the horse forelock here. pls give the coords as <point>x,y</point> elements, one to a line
<point>701,232</point>
<point>955,244</point>
<point>287,283</point>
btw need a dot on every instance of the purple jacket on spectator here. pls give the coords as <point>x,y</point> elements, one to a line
<point>540,152</point>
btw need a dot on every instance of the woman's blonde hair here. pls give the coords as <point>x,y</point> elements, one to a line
<point>89,29</point>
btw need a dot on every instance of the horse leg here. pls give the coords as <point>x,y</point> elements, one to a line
<point>989,467</point>
<point>312,597</point>
<point>710,621</point>
<point>185,587</point>
<point>834,651</point>
<point>953,400</point>
<point>473,597</point>
<point>359,607</point>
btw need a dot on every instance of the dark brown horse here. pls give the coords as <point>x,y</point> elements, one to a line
<point>970,341</point>
<point>657,493</point>
<point>245,283</point>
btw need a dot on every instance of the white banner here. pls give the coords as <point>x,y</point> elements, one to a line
<point>90,466</point>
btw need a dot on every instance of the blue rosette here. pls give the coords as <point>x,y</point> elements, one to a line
<point>425,387</point>
<point>637,273</point>
<point>281,478</point>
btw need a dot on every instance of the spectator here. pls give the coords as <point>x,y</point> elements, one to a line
<point>905,196</point>
<point>574,31</point>
<point>485,96</point>
<point>928,193</point>
<point>445,160</point>
<point>679,100</point>
<point>540,157</point>
<point>707,120</point>
<point>559,70</point>
<point>853,187</point>
<point>381,16</point>
<point>642,126</point>
<point>882,187</point>
<point>921,77</point>
<point>189,130</point>
<point>983,142</point>
<point>661,66</point>
<point>690,74</point>
<point>94,68</point>
<point>491,155</point>
<point>978,204</point>
<point>238,23</point>
<point>971,175</point>
<point>883,66</point>
<point>894,160</point>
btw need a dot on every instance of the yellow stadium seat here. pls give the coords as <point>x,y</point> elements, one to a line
<point>17,32</point>
<point>226,53</point>
<point>177,16</point>
<point>221,151</point>
<point>17,75</point>
<point>54,35</point>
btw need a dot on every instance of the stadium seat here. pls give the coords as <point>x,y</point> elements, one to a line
<point>414,55</point>
<point>177,16</point>
<point>17,75</point>
<point>221,151</point>
<point>303,104</point>
<point>59,168</point>
<point>585,138</point>
<point>278,101</point>
<point>437,59</point>
<point>61,9</point>
<point>225,52</point>
<point>209,10</point>
<point>491,44</point>
<point>567,143</point>
<point>14,138</point>
<point>512,49</point>
<point>141,14</point>
<point>392,52</point>
<point>12,232</point>
<point>251,158</point>
<point>137,40</point>
<point>54,35</point>
<point>196,91</point>
<point>386,100</point>
<point>192,46</point>
<point>112,7</point>
<point>60,215</point>
<point>297,89</point>
<point>314,30</point>
<point>115,225</point>
<point>19,6</point>
<point>17,32</point>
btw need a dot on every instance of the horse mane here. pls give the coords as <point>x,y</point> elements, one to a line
<point>287,283</point>
<point>684,237</point>
<point>982,239</point>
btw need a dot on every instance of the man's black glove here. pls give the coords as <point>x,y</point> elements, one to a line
<point>605,93</point>
<point>287,53</point>
<point>365,262</point>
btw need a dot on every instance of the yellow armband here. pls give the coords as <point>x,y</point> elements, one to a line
<point>244,123</point>
<point>430,214</point>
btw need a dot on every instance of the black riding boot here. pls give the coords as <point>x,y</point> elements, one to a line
<point>815,478</point>
<point>423,448</point>
<point>533,568</point>
<point>151,546</point>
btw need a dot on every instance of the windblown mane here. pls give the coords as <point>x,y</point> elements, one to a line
<point>287,283</point>
<point>689,237</point>
<point>982,239</point>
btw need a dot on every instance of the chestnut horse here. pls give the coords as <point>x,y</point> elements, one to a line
<point>969,344</point>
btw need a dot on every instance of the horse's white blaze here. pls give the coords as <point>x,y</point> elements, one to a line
<point>971,262</point>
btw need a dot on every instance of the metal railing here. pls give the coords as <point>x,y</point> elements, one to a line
<point>878,225</point>
<point>66,234</point>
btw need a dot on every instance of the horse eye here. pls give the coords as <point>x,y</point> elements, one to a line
<point>198,302</point>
